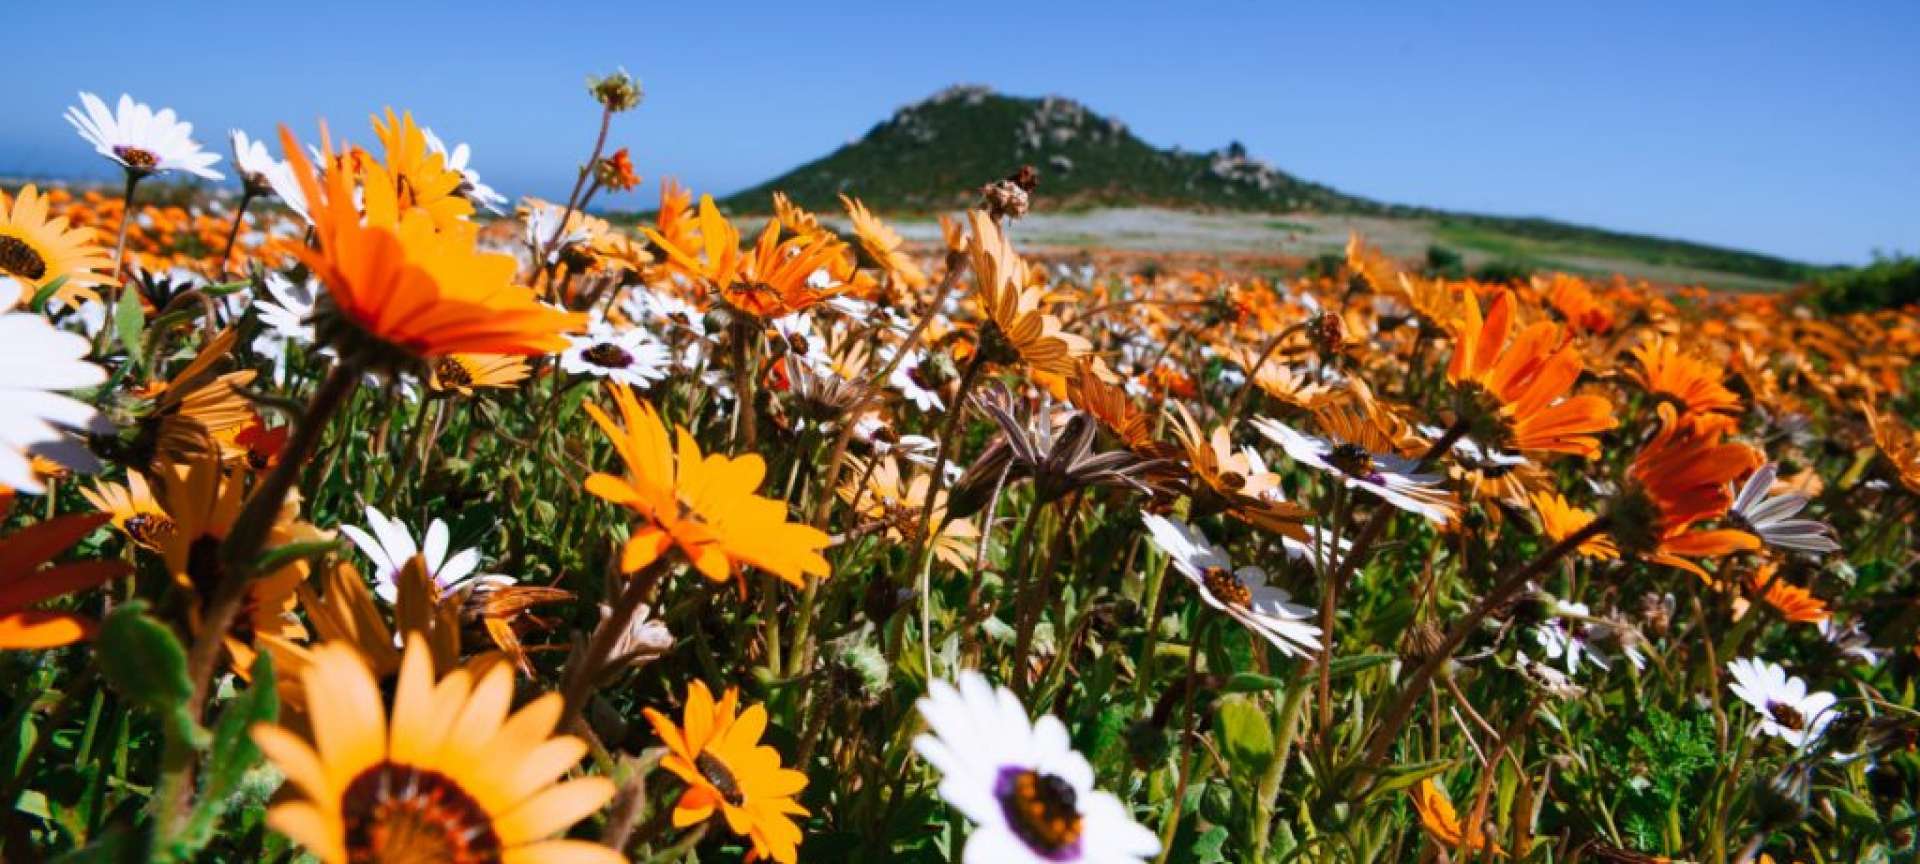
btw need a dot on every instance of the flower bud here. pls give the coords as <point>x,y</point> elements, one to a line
<point>616,92</point>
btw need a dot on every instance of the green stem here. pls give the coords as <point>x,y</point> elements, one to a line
<point>1396,715</point>
<point>1286,724</point>
<point>583,675</point>
<point>233,231</point>
<point>238,555</point>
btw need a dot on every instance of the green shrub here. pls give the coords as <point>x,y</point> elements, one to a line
<point>1889,282</point>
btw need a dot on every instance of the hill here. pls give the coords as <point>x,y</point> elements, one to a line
<point>932,155</point>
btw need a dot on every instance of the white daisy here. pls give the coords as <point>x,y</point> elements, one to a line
<point>1787,711</point>
<point>1850,639</point>
<point>1241,593</point>
<point>264,174</point>
<point>543,227</point>
<point>1394,478</point>
<point>631,356</point>
<point>37,359</point>
<point>804,343</point>
<point>913,383</point>
<point>290,313</point>
<point>456,160</point>
<point>1770,517</point>
<point>390,546</point>
<point>288,318</point>
<point>141,140</point>
<point>1030,796</point>
<point>918,449</point>
<point>1474,455</point>
<point>1564,636</point>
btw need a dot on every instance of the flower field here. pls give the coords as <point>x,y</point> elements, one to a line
<point>356,513</point>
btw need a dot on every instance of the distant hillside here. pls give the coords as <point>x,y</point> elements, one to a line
<point>935,155</point>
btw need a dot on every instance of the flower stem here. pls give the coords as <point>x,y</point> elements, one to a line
<point>126,216</point>
<point>1253,375</point>
<point>573,198</point>
<point>1286,724</point>
<point>1150,596</point>
<point>238,554</point>
<point>581,677</point>
<point>1171,824</point>
<point>233,231</point>
<point>1396,715</point>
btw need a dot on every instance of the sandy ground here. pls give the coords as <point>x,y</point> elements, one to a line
<point>1280,238</point>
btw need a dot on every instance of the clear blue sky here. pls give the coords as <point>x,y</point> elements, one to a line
<point>1789,128</point>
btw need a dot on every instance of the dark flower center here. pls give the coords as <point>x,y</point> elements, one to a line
<point>206,572</point>
<point>134,157</point>
<point>396,813</point>
<point>608,355</point>
<point>797,342</point>
<point>203,564</point>
<point>148,529</point>
<point>1232,480</point>
<point>1042,810</point>
<point>452,374</point>
<point>720,776</point>
<point>20,258</point>
<point>1352,459</point>
<point>1787,715</point>
<point>1227,588</point>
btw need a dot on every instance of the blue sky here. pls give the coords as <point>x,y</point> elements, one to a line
<point>1781,127</point>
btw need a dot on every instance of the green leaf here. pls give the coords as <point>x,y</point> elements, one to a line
<point>280,556</point>
<point>113,847</point>
<point>1405,776</point>
<point>233,753</point>
<point>1210,847</point>
<point>1343,667</point>
<point>46,292</point>
<point>1246,734</point>
<point>1251,682</point>
<point>142,659</point>
<point>130,322</point>
<point>1857,814</point>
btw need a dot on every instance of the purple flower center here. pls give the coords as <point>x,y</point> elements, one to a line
<point>608,355</point>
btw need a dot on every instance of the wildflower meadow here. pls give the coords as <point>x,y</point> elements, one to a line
<point>354,512</point>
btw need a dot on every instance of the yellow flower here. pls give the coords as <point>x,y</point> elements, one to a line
<point>882,244</point>
<point>718,753</point>
<point>392,277</point>
<point>465,373</point>
<point>1559,520</point>
<point>418,176</point>
<point>133,508</point>
<point>1440,819</point>
<point>1012,304</point>
<point>705,505</point>
<point>204,503</point>
<point>891,499</point>
<point>448,775</point>
<point>37,250</point>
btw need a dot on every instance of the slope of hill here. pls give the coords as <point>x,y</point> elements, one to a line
<point>929,156</point>
<point>932,155</point>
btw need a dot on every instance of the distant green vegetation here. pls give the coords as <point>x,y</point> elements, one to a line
<point>937,154</point>
<point>1889,282</point>
<point>934,156</point>
<point>1542,240</point>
